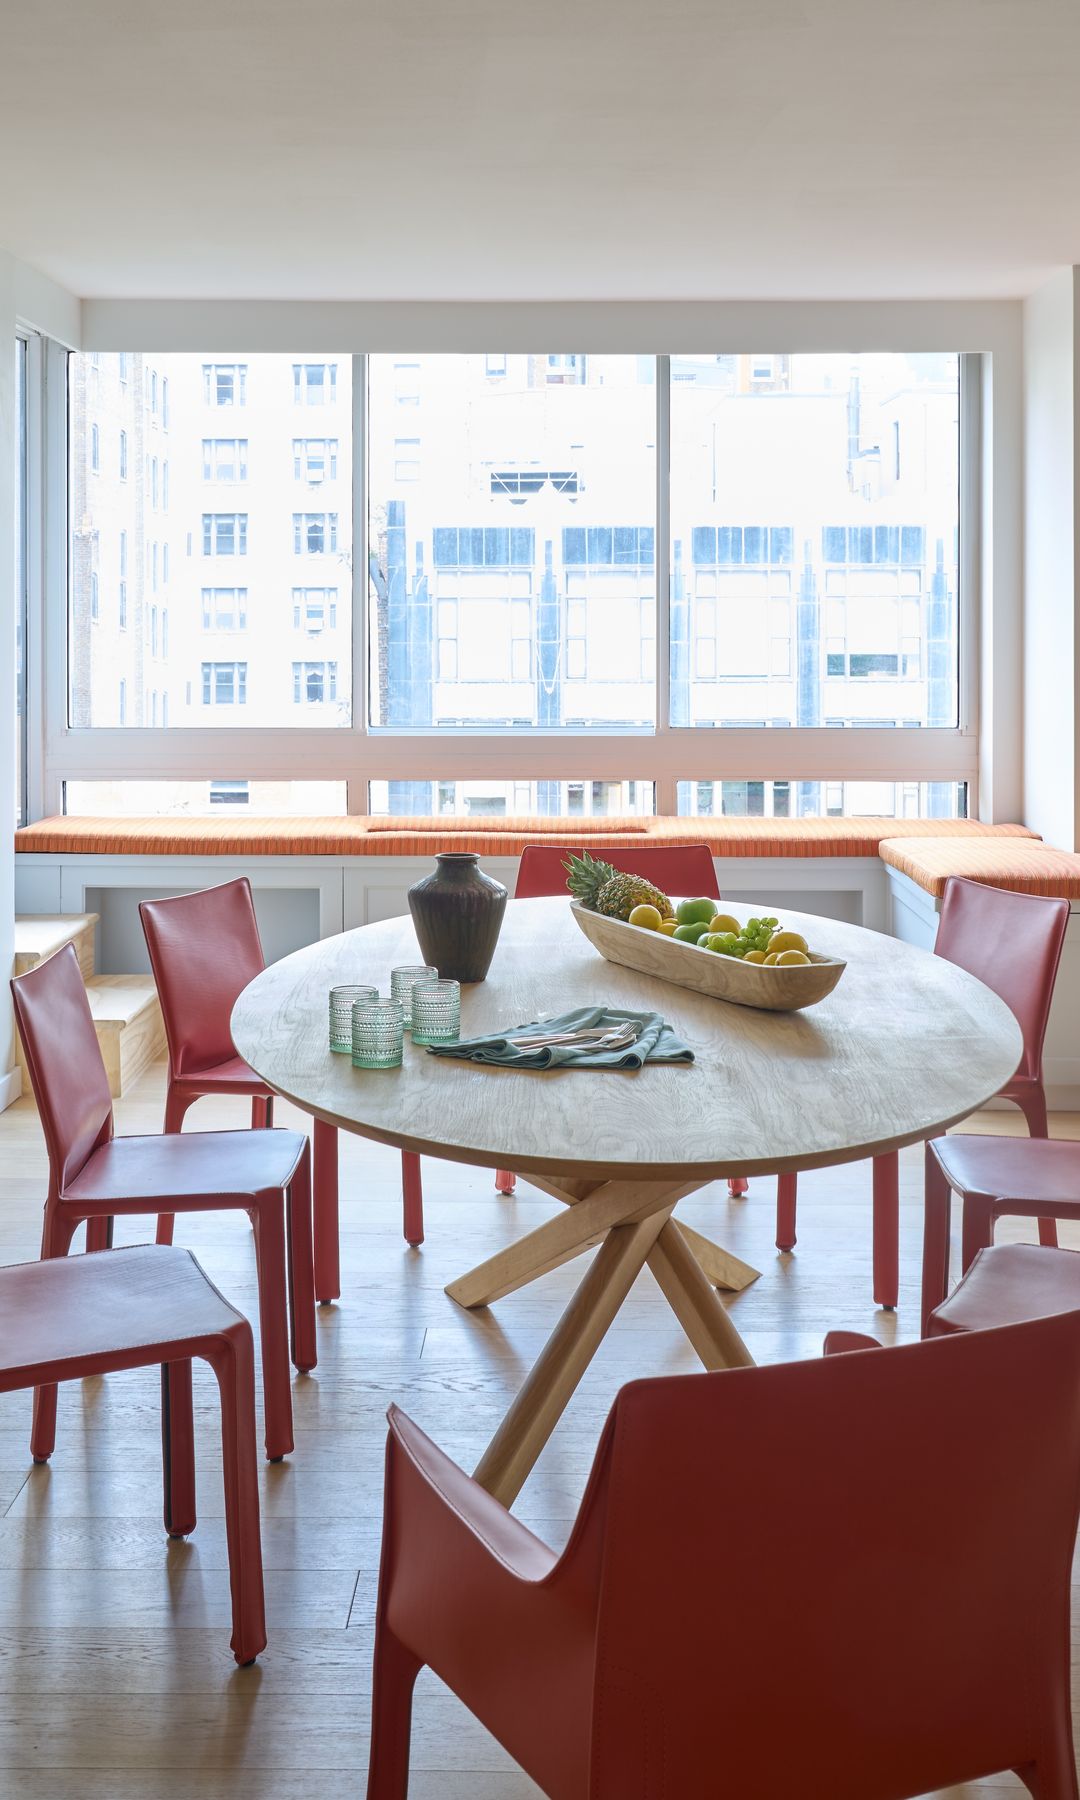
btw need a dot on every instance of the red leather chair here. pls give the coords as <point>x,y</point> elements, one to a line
<point>684,869</point>
<point>204,950</point>
<point>1013,943</point>
<point>95,1176</point>
<point>1009,1284</point>
<point>653,1659</point>
<point>91,1315</point>
<point>996,1177</point>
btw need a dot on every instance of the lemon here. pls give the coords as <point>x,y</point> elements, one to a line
<point>790,958</point>
<point>647,917</point>
<point>668,927</point>
<point>788,940</point>
<point>724,922</point>
<point>754,956</point>
<point>772,959</point>
<point>694,912</point>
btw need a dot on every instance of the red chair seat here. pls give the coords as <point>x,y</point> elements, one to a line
<point>1038,1169</point>
<point>234,1076</point>
<point>1008,1285</point>
<point>223,1167</point>
<point>61,1320</point>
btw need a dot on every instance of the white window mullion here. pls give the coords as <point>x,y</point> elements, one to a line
<point>666,785</point>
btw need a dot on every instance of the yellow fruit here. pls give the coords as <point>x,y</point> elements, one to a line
<point>788,940</point>
<point>648,917</point>
<point>668,927</point>
<point>772,959</point>
<point>790,958</point>
<point>724,922</point>
<point>754,956</point>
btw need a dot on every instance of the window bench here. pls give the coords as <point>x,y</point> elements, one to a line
<point>317,876</point>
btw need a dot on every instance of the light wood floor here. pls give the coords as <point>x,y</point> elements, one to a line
<point>116,1681</point>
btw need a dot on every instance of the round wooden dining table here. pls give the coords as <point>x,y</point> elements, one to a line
<point>906,1045</point>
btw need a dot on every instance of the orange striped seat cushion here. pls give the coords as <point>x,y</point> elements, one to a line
<point>1024,867</point>
<point>356,836</point>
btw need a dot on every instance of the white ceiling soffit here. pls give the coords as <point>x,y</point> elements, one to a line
<point>589,149</point>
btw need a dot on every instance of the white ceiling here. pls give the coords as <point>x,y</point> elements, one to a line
<point>543,149</point>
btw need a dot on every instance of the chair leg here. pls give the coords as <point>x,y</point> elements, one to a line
<point>787,1191</point>
<point>325,1177</point>
<point>178,1448</point>
<point>505,1181</point>
<point>176,1105</point>
<point>1052,1776</point>
<point>233,1363</point>
<point>268,1219</point>
<point>1033,1107</point>
<point>99,1232</point>
<point>413,1199</point>
<point>55,1241</point>
<point>887,1230</point>
<point>262,1112</point>
<point>936,1223</point>
<point>395,1673</point>
<point>301,1274</point>
<point>977,1227</point>
<point>737,1187</point>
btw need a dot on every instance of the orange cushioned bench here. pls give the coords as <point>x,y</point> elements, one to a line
<point>1027,866</point>
<point>419,836</point>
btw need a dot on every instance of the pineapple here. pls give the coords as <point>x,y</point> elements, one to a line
<point>607,890</point>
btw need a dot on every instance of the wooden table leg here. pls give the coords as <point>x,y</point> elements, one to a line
<point>509,1458</point>
<point>723,1270</point>
<point>584,1224</point>
<point>690,1294</point>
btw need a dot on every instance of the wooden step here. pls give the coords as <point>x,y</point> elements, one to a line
<point>39,936</point>
<point>130,1029</point>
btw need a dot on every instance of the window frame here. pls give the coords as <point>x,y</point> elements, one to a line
<point>664,754</point>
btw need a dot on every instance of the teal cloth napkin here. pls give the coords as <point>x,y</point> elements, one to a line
<point>656,1042</point>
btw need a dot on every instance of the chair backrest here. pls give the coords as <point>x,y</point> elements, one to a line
<point>64,1058</point>
<point>1013,943</point>
<point>846,1577</point>
<point>683,869</point>
<point>204,949</point>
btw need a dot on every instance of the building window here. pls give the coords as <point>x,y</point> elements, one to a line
<point>165,633</point>
<point>123,582</point>
<point>314,384</point>
<point>154,567</point>
<point>224,534</point>
<point>165,403</point>
<point>565,371</point>
<point>122,368</point>
<point>494,367</point>
<point>315,534</point>
<point>95,449</point>
<point>314,609</point>
<point>406,459</point>
<point>406,384</point>
<point>225,384</point>
<point>123,456</point>
<point>224,608</point>
<point>95,602</point>
<point>153,707</point>
<point>122,701</point>
<point>153,631</point>
<point>314,682</point>
<point>154,392</point>
<point>315,459</point>
<point>224,683</point>
<point>165,486</point>
<point>229,793</point>
<point>224,459</point>
<point>154,482</point>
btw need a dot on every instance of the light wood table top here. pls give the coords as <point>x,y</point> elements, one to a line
<point>907,1045</point>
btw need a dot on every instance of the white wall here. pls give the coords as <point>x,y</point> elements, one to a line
<point>1051,374</point>
<point>8,426</point>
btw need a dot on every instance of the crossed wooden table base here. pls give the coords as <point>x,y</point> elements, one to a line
<point>632,1222</point>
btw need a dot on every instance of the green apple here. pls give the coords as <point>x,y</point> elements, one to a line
<point>693,912</point>
<point>689,933</point>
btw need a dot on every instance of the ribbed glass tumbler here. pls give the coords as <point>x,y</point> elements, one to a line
<point>377,1034</point>
<point>402,982</point>
<point>342,1001</point>
<point>436,1012</point>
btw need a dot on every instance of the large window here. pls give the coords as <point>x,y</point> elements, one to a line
<point>179,532</point>
<point>22,562</point>
<point>632,559</point>
<point>814,540</point>
<point>511,542</point>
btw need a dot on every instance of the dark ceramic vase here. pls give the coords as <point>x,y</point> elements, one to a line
<point>458,913</point>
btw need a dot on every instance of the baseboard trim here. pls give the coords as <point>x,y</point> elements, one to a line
<point>10,1088</point>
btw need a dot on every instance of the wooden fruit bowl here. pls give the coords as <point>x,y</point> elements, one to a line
<point>785,989</point>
